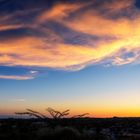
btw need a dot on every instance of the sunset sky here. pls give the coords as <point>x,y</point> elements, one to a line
<point>82,55</point>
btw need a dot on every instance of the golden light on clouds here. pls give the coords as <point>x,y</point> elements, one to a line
<point>16,77</point>
<point>116,37</point>
<point>58,11</point>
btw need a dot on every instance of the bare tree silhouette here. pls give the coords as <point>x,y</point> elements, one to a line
<point>57,114</point>
<point>32,113</point>
<point>54,114</point>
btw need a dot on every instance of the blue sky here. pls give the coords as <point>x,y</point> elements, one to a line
<point>92,89</point>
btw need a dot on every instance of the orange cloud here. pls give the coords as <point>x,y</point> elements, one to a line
<point>10,27</point>
<point>115,6</point>
<point>31,75</point>
<point>98,25</point>
<point>15,77</point>
<point>47,52</point>
<point>35,52</point>
<point>58,11</point>
<point>32,51</point>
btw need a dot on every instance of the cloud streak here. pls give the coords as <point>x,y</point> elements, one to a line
<point>15,77</point>
<point>31,75</point>
<point>18,100</point>
<point>113,25</point>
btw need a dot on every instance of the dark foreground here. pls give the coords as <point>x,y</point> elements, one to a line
<point>70,129</point>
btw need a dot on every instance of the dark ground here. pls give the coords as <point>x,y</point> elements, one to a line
<point>70,129</point>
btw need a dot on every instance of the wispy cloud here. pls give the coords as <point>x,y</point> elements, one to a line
<point>15,77</point>
<point>31,75</point>
<point>113,26</point>
<point>9,27</point>
<point>58,11</point>
<point>18,100</point>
